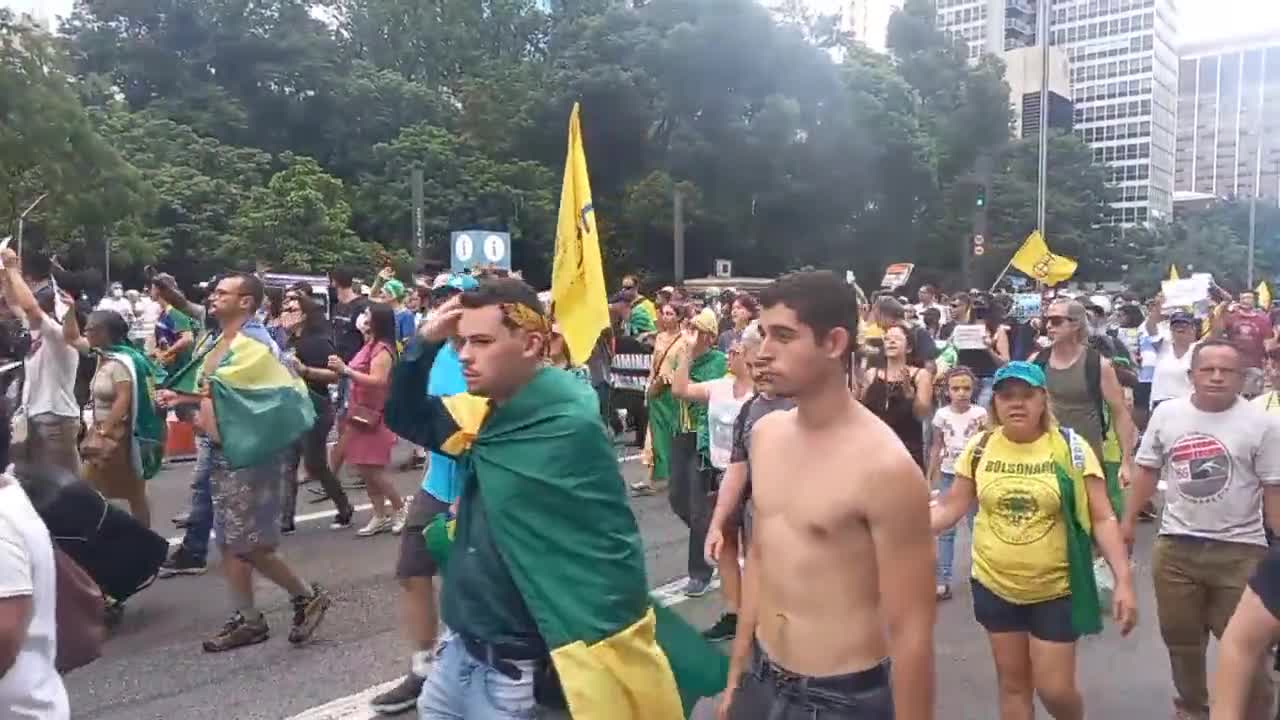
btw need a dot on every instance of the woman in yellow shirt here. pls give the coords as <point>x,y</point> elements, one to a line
<point>1022,576</point>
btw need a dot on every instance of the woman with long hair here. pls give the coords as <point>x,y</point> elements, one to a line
<point>900,394</point>
<point>742,311</point>
<point>309,346</point>
<point>364,439</point>
<point>1042,505</point>
<point>125,444</point>
<point>662,406</point>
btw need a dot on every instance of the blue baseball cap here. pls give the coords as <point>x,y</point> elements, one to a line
<point>460,282</point>
<point>1028,372</point>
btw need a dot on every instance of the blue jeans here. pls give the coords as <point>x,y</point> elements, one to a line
<point>200,524</point>
<point>986,388</point>
<point>947,540</point>
<point>461,687</point>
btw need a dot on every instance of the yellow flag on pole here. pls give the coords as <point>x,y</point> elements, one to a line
<point>1034,259</point>
<point>1173,272</point>
<point>578,297</point>
<point>1264,295</point>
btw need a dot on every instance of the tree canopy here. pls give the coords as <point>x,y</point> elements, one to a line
<point>283,133</point>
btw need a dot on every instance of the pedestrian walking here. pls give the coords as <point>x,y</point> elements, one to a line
<point>954,424</point>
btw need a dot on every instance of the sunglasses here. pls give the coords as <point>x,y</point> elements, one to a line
<point>1056,320</point>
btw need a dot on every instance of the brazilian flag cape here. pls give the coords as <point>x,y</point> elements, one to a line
<point>146,451</point>
<point>261,406</point>
<point>1086,606</point>
<point>559,515</point>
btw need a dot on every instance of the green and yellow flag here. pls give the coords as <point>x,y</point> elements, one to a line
<point>578,298</point>
<point>1173,272</point>
<point>1035,259</point>
<point>260,406</point>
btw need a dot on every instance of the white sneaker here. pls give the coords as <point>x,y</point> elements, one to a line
<point>376,526</point>
<point>399,520</point>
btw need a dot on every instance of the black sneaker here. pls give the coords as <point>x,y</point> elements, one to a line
<point>401,698</point>
<point>181,562</point>
<point>342,520</point>
<point>288,528</point>
<point>724,629</point>
<point>307,614</point>
<point>238,632</point>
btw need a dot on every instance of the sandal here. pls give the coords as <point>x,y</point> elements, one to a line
<point>942,592</point>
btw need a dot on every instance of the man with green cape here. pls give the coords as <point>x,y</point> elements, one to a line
<point>546,568</point>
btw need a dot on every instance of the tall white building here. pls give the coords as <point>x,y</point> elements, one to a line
<point>1124,77</point>
<point>868,20</point>
<point>1229,118</point>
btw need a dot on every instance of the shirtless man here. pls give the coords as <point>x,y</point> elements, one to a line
<point>838,602</point>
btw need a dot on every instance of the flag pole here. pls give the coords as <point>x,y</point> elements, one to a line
<point>1003,272</point>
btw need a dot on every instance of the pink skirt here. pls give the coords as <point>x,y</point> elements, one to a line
<point>366,447</point>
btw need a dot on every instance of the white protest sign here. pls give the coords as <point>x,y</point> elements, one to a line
<point>1185,292</point>
<point>969,337</point>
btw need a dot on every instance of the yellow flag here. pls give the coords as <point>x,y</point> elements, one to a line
<point>1173,272</point>
<point>1034,259</point>
<point>578,297</point>
<point>1264,295</point>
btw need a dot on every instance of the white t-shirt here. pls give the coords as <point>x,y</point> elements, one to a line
<point>722,413</point>
<point>51,372</point>
<point>1170,379</point>
<point>955,429</point>
<point>32,689</point>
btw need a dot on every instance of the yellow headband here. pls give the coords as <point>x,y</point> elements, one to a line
<point>526,318</point>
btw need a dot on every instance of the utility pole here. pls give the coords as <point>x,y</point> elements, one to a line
<point>1042,16</point>
<point>1253,218</point>
<point>678,234</point>
<point>419,233</point>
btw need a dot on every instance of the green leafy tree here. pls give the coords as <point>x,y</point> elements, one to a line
<point>300,222</point>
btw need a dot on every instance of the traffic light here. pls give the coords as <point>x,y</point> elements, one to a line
<point>980,201</point>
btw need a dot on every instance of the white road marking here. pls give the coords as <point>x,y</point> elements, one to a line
<point>323,514</point>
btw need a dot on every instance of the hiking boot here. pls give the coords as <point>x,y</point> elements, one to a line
<point>182,562</point>
<point>238,632</point>
<point>307,614</point>
<point>401,698</point>
<point>724,629</point>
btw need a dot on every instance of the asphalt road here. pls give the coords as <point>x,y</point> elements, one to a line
<point>154,667</point>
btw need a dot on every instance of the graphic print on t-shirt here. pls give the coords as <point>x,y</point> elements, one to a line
<point>1022,508</point>
<point>1200,467</point>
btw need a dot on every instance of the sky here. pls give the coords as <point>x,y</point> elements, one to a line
<point>1198,20</point>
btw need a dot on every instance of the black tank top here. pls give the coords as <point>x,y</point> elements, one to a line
<point>889,401</point>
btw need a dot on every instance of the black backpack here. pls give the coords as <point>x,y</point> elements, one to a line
<point>1092,379</point>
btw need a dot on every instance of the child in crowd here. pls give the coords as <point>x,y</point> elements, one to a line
<point>953,425</point>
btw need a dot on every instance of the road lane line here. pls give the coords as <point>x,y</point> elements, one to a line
<point>322,514</point>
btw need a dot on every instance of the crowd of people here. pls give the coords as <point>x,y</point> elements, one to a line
<point>821,447</point>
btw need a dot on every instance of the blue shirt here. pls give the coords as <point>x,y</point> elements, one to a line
<point>406,326</point>
<point>445,379</point>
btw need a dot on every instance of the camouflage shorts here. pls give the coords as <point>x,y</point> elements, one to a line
<point>246,504</point>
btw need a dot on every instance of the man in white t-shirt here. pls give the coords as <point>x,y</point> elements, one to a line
<point>30,687</point>
<point>48,393</point>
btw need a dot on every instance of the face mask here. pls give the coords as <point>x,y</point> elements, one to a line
<point>117,293</point>
<point>362,322</point>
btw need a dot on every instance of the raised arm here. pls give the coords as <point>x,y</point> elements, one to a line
<point>16,290</point>
<point>898,516</point>
<point>438,424</point>
<point>71,331</point>
<point>681,386</point>
<point>168,288</point>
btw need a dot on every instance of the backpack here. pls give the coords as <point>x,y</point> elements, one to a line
<point>1092,380</point>
<point>981,447</point>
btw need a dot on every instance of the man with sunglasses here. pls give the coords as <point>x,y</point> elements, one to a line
<point>1085,390</point>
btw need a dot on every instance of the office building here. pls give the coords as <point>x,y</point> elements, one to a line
<point>1228,139</point>
<point>1123,79</point>
<point>868,20</point>
<point>1023,72</point>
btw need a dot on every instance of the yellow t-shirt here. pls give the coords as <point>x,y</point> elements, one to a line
<point>1019,539</point>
